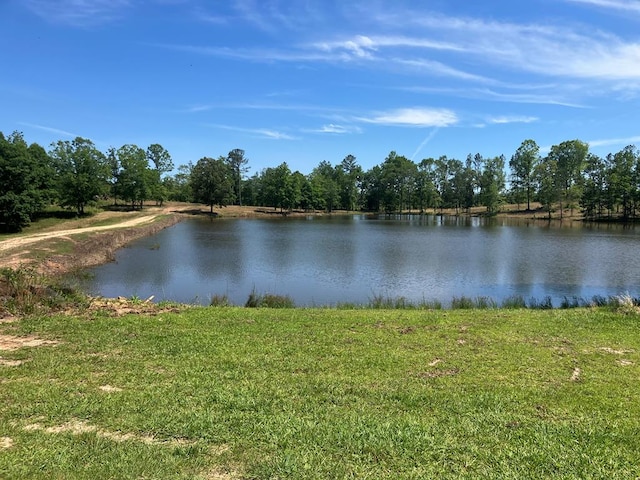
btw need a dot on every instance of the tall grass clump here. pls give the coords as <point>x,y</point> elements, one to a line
<point>23,291</point>
<point>462,303</point>
<point>573,302</point>
<point>514,302</point>
<point>430,305</point>
<point>545,304</point>
<point>269,300</point>
<point>625,304</point>
<point>219,301</point>
<point>485,303</point>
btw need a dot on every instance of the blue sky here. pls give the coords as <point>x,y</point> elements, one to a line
<point>310,80</point>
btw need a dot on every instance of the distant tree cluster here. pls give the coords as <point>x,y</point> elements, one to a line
<point>567,178</point>
<point>75,173</point>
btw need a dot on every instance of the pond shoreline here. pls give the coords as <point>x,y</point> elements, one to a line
<point>98,248</point>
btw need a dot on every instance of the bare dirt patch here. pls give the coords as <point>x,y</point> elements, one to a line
<point>624,363</point>
<point>4,362</point>
<point>120,306</point>
<point>5,443</point>
<point>78,427</point>
<point>613,351</point>
<point>11,342</point>
<point>575,376</point>
<point>109,388</point>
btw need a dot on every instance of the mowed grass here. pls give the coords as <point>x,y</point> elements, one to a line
<point>225,393</point>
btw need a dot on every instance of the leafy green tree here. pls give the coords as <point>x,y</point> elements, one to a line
<point>82,172</point>
<point>277,187</point>
<point>523,164</point>
<point>251,189</point>
<point>594,192</point>
<point>623,180</point>
<point>324,185</point>
<point>113,174</point>
<point>398,178</point>
<point>178,187</point>
<point>372,189</point>
<point>351,174</point>
<point>26,178</point>
<point>569,158</point>
<point>546,182</point>
<point>426,194</point>
<point>135,178</point>
<point>237,162</point>
<point>211,182</point>
<point>163,164</point>
<point>492,183</point>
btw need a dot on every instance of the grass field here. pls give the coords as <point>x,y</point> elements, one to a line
<point>226,393</point>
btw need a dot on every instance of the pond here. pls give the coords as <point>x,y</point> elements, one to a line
<point>331,260</point>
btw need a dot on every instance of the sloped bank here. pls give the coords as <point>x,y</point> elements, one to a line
<point>100,247</point>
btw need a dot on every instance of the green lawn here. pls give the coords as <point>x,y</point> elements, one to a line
<point>225,393</point>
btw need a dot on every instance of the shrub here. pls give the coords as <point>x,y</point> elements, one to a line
<point>462,303</point>
<point>545,304</point>
<point>219,301</point>
<point>269,300</point>
<point>514,301</point>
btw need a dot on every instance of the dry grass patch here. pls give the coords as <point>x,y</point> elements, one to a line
<point>4,362</point>
<point>11,342</point>
<point>79,427</point>
<point>5,442</point>
<point>109,388</point>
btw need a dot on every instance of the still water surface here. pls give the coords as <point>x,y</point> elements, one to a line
<point>352,259</point>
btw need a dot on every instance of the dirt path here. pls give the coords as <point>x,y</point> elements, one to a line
<point>20,242</point>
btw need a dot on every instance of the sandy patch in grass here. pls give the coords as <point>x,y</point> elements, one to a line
<point>218,475</point>
<point>10,363</point>
<point>78,427</point>
<point>613,351</point>
<point>5,442</point>
<point>11,342</point>
<point>575,376</point>
<point>435,362</point>
<point>624,363</point>
<point>109,388</point>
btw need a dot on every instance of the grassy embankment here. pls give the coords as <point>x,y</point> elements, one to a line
<point>224,393</point>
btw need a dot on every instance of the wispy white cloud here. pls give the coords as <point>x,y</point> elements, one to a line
<point>514,94</point>
<point>79,13</point>
<point>440,69</point>
<point>257,132</point>
<point>624,5</point>
<point>49,129</point>
<point>427,139</point>
<point>414,117</point>
<point>623,142</point>
<point>198,108</point>
<point>512,119</point>
<point>543,49</point>
<point>337,129</point>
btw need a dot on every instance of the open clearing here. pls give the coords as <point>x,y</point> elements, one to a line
<point>234,393</point>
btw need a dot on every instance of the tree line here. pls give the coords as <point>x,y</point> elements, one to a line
<point>75,173</point>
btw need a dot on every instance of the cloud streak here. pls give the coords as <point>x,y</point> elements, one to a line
<point>264,133</point>
<point>414,117</point>
<point>627,5</point>
<point>49,129</point>
<point>79,13</point>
